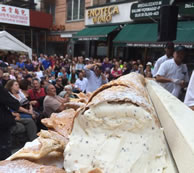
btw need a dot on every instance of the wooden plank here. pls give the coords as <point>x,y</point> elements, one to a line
<point>178,123</point>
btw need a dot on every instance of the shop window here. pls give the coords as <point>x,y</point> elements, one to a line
<point>102,50</point>
<point>50,8</point>
<point>75,9</point>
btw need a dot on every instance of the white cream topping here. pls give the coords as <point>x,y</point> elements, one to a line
<point>117,138</point>
<point>35,144</point>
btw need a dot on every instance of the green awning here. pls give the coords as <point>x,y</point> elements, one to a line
<point>147,33</point>
<point>138,33</point>
<point>95,33</point>
<point>185,32</point>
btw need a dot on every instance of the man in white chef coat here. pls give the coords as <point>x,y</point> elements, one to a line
<point>189,97</point>
<point>173,74</point>
<point>169,49</point>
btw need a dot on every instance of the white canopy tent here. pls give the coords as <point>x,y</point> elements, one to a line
<point>10,43</point>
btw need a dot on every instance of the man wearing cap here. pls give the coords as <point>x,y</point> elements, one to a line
<point>169,49</point>
<point>148,71</point>
<point>173,74</point>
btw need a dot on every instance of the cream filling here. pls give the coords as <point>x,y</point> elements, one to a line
<point>117,138</point>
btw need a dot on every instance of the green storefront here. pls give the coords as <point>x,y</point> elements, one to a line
<point>133,31</point>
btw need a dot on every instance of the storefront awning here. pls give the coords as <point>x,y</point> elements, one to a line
<point>145,35</point>
<point>185,32</point>
<point>137,33</point>
<point>95,33</point>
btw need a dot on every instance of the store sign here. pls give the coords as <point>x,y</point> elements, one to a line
<point>187,9</point>
<point>108,14</point>
<point>146,10</point>
<point>88,38</point>
<point>145,45</point>
<point>103,15</point>
<point>14,15</point>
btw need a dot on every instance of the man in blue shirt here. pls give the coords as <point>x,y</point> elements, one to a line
<point>95,76</point>
<point>46,63</point>
<point>20,64</point>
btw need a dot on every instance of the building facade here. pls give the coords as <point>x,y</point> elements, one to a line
<point>26,22</point>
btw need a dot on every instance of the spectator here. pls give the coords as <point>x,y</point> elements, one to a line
<point>26,110</point>
<point>24,120</point>
<point>169,49</point>
<point>6,78</point>
<point>20,64</point>
<point>59,86</point>
<point>46,63</point>
<point>37,94</point>
<point>19,77</point>
<point>72,77</point>
<point>81,83</point>
<point>172,74</point>
<point>106,64</point>
<point>134,67</point>
<point>29,66</point>
<point>43,83</point>
<point>127,68</point>
<point>87,61</point>
<point>25,86</point>
<point>53,103</point>
<point>7,102</point>
<point>73,66</point>
<point>57,67</point>
<point>80,65</point>
<point>95,76</point>
<point>41,58</point>
<point>35,61</point>
<point>68,89</point>
<point>12,74</point>
<point>13,64</point>
<point>140,69</point>
<point>148,70</point>
<point>116,71</point>
<point>39,73</point>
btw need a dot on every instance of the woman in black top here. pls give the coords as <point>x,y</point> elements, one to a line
<point>7,102</point>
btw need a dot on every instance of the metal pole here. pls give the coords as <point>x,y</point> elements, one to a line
<point>37,44</point>
<point>24,38</point>
<point>31,34</point>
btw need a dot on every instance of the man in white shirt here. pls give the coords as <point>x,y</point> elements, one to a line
<point>189,97</point>
<point>95,77</point>
<point>169,49</point>
<point>172,74</point>
<point>81,83</point>
<point>53,103</point>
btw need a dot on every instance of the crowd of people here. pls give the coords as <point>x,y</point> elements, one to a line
<point>36,88</point>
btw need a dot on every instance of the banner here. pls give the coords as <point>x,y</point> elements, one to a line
<point>14,15</point>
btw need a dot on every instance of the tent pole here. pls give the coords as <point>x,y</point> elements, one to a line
<point>31,39</point>
<point>37,43</point>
